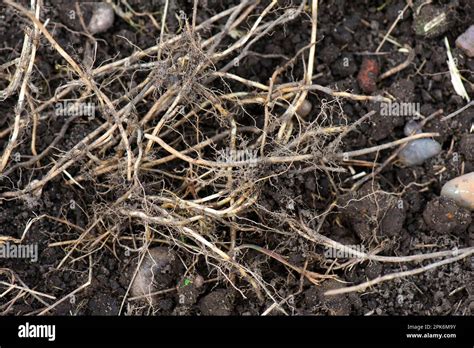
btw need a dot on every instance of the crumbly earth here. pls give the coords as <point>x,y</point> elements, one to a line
<point>400,209</point>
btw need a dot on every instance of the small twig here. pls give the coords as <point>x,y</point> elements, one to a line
<point>163,26</point>
<point>378,148</point>
<point>404,65</point>
<point>457,112</point>
<point>36,6</point>
<point>397,275</point>
<point>394,24</point>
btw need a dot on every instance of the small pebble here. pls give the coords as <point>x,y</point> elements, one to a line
<point>417,151</point>
<point>305,108</point>
<point>198,281</point>
<point>465,41</point>
<point>102,18</point>
<point>156,272</point>
<point>410,128</point>
<point>368,74</point>
<point>461,190</point>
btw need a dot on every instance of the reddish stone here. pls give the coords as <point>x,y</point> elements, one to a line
<point>368,74</point>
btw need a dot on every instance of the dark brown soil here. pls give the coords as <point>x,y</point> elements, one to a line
<point>400,209</point>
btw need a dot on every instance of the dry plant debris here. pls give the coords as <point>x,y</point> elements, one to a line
<point>176,162</point>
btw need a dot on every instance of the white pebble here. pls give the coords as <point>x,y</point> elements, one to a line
<point>102,18</point>
<point>418,151</point>
<point>461,190</point>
